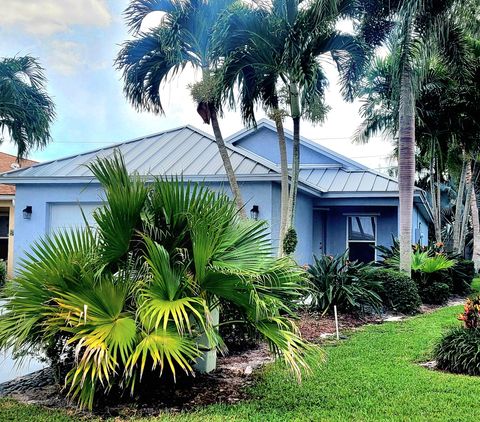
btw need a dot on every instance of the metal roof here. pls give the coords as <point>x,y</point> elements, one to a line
<point>342,180</point>
<point>184,150</point>
<point>194,154</point>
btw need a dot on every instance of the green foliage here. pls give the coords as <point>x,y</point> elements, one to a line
<point>3,273</point>
<point>132,299</point>
<point>398,291</point>
<point>26,110</point>
<point>462,274</point>
<point>337,281</point>
<point>457,351</point>
<point>435,293</point>
<point>290,241</point>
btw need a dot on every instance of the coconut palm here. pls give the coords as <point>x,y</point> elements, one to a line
<point>182,39</point>
<point>134,299</point>
<point>273,54</point>
<point>26,110</point>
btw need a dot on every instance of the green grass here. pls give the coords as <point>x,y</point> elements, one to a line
<point>371,376</point>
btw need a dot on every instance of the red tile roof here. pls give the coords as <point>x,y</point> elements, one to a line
<point>7,163</point>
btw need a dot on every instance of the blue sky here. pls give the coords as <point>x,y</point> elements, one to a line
<point>77,41</point>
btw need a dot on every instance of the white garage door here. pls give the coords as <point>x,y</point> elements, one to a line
<point>69,215</point>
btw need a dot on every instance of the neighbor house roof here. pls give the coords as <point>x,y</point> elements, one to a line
<point>7,163</point>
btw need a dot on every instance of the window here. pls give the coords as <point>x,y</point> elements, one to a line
<point>361,238</point>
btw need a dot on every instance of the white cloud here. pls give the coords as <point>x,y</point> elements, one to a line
<point>47,17</point>
<point>66,57</point>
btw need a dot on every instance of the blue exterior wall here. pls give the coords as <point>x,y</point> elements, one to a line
<point>336,225</point>
<point>419,228</point>
<point>264,142</point>
<point>40,197</point>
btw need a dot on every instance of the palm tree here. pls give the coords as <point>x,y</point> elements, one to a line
<point>182,39</point>
<point>26,110</point>
<point>273,53</point>
<point>421,30</point>
<point>135,298</point>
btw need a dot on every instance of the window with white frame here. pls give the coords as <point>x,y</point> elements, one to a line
<point>361,237</point>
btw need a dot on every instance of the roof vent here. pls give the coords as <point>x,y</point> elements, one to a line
<point>15,166</point>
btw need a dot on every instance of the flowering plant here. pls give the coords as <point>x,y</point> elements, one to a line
<point>471,313</point>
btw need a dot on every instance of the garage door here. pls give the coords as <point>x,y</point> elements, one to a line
<point>69,215</point>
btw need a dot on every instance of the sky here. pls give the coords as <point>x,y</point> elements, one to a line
<point>76,42</point>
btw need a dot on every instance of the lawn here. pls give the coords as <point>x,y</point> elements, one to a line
<point>371,376</point>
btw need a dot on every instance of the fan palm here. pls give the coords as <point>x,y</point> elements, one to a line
<point>272,54</point>
<point>182,39</point>
<point>134,297</point>
<point>26,111</point>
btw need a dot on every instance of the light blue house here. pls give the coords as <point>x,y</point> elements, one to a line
<point>341,203</point>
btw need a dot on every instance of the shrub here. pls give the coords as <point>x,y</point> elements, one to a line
<point>398,291</point>
<point>462,273</point>
<point>434,293</point>
<point>458,350</point>
<point>337,281</point>
<point>3,273</point>
<point>290,241</point>
<point>134,298</point>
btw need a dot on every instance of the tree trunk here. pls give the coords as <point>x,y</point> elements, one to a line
<point>406,168</point>
<point>295,113</point>
<point>459,208</point>
<point>466,208</point>
<point>476,230</point>
<point>439,204</point>
<point>222,149</point>
<point>437,224</point>
<point>282,146</point>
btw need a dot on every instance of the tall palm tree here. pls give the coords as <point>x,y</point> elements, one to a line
<point>273,52</point>
<point>26,110</point>
<point>183,38</point>
<point>420,29</point>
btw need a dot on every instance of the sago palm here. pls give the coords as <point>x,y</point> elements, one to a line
<point>183,38</point>
<point>26,110</point>
<point>134,297</point>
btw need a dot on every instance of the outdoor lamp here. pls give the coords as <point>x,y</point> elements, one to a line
<point>254,212</point>
<point>27,212</point>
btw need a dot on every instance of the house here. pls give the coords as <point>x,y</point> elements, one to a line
<point>7,205</point>
<point>341,203</point>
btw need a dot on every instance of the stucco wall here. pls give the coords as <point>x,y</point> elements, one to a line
<point>336,226</point>
<point>264,143</point>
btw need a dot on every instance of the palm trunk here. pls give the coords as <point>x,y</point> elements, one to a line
<point>433,194</point>
<point>458,208</point>
<point>476,230</point>
<point>282,146</point>
<point>439,204</point>
<point>222,149</point>
<point>406,168</point>
<point>295,113</point>
<point>466,209</point>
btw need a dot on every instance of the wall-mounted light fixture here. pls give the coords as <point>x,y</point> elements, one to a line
<point>27,212</point>
<point>254,212</point>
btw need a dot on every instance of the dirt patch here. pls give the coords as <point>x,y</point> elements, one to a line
<point>315,327</point>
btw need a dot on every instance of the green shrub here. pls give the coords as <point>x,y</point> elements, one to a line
<point>462,273</point>
<point>459,350</point>
<point>398,291</point>
<point>434,293</point>
<point>337,281</point>
<point>3,273</point>
<point>290,241</point>
<point>135,298</point>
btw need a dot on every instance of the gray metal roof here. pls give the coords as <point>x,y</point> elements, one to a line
<point>341,180</point>
<point>194,154</point>
<point>185,150</point>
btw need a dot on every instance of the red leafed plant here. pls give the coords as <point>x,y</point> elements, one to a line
<point>471,313</point>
